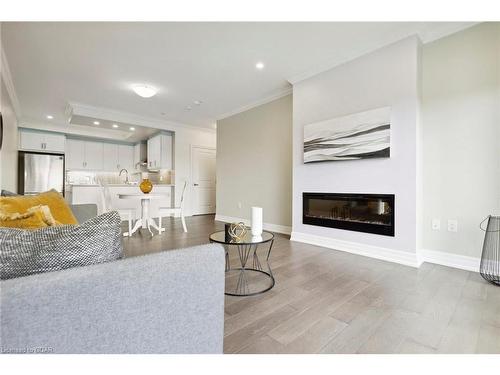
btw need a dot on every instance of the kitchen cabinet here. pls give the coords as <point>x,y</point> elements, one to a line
<point>41,141</point>
<point>94,155</point>
<point>99,156</point>
<point>110,162</point>
<point>75,154</point>
<point>140,155</point>
<point>154,152</point>
<point>160,152</point>
<point>126,157</point>
<point>117,157</point>
<point>85,155</point>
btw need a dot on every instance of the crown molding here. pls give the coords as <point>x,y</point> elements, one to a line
<point>9,85</point>
<point>274,96</point>
<point>129,118</point>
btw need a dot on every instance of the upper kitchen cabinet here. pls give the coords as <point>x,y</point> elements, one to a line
<point>160,152</point>
<point>99,156</point>
<point>110,160</point>
<point>41,141</point>
<point>117,157</point>
<point>94,152</point>
<point>86,155</point>
<point>140,155</point>
<point>126,157</point>
<point>154,152</point>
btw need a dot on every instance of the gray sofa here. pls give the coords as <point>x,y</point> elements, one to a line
<point>83,212</point>
<point>168,302</point>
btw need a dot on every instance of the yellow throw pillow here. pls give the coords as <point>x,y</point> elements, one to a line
<point>44,213</point>
<point>32,219</point>
<point>57,205</point>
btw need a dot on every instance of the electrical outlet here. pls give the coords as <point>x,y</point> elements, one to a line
<point>452,225</point>
<point>436,224</point>
<point>239,205</point>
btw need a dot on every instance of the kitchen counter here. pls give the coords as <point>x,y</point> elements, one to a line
<point>89,193</point>
<point>117,185</point>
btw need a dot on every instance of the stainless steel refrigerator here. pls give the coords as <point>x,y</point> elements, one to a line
<point>39,172</point>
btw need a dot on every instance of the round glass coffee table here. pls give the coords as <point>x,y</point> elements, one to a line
<point>247,279</point>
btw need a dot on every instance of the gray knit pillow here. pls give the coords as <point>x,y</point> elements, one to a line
<point>26,252</point>
<point>6,193</point>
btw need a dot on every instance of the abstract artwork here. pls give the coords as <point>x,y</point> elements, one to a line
<point>357,136</point>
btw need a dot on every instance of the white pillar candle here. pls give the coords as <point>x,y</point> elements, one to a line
<point>256,221</point>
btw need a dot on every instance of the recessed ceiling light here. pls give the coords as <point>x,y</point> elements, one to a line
<point>197,102</point>
<point>188,108</point>
<point>115,126</point>
<point>259,65</point>
<point>97,123</point>
<point>132,128</point>
<point>50,117</point>
<point>144,91</point>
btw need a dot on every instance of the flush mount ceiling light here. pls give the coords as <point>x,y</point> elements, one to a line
<point>259,65</point>
<point>50,117</point>
<point>115,126</point>
<point>197,102</point>
<point>188,108</point>
<point>144,91</point>
<point>97,123</point>
<point>132,128</point>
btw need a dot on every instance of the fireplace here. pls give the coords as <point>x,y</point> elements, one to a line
<point>370,213</point>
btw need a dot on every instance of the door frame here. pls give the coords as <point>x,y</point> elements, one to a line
<point>192,147</point>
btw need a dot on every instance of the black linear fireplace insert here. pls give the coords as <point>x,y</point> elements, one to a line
<point>371,213</point>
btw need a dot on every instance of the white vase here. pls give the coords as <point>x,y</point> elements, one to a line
<point>256,221</point>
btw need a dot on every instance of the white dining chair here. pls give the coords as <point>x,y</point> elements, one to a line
<point>128,213</point>
<point>167,211</point>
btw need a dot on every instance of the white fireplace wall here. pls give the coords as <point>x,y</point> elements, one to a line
<point>386,77</point>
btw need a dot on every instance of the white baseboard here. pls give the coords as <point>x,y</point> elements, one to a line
<point>390,255</point>
<point>267,226</point>
<point>462,262</point>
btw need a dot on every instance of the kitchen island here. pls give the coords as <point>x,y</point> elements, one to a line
<point>81,194</point>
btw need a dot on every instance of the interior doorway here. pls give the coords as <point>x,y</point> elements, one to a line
<point>203,180</point>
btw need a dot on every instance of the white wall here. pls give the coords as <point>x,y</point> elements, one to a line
<point>8,154</point>
<point>386,77</point>
<point>254,164</point>
<point>183,141</point>
<point>461,137</point>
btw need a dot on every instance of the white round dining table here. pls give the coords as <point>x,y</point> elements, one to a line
<point>145,221</point>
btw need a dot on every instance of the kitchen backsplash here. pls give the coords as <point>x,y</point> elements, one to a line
<point>91,178</point>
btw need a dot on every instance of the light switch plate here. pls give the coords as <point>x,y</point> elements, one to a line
<point>452,225</point>
<point>436,224</point>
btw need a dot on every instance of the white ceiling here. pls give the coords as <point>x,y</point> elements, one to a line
<point>95,64</point>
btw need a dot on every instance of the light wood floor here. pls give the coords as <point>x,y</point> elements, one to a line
<point>328,301</point>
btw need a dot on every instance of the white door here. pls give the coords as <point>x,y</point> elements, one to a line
<point>203,183</point>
